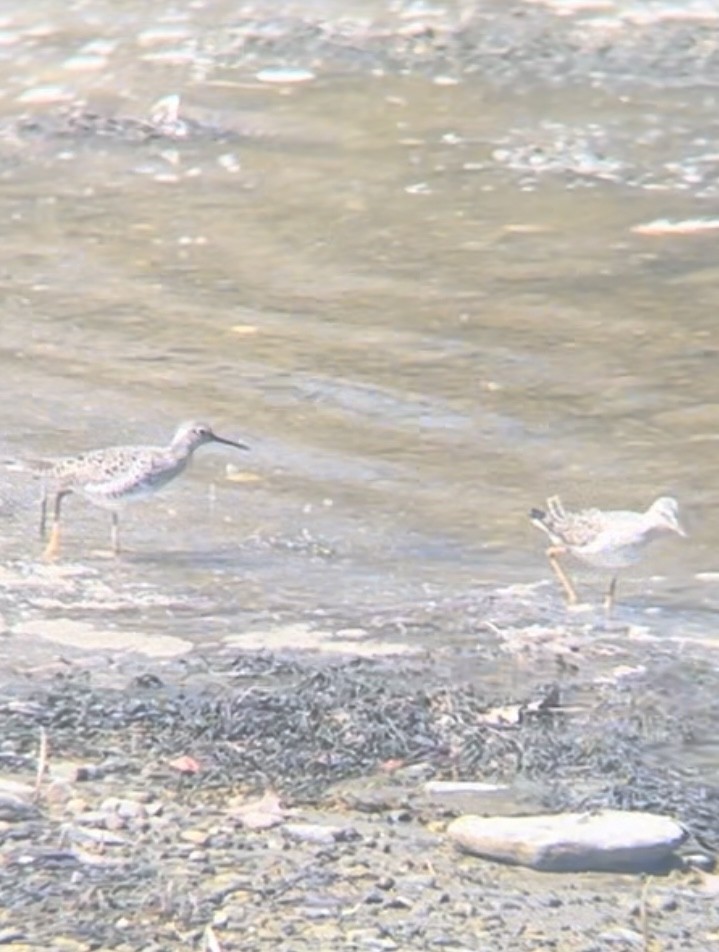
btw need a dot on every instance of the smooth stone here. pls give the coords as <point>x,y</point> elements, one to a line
<point>702,861</point>
<point>123,807</point>
<point>625,937</point>
<point>196,837</point>
<point>14,788</point>
<point>92,836</point>
<point>284,74</point>
<point>13,808</point>
<point>609,840</point>
<point>317,833</point>
<point>458,787</point>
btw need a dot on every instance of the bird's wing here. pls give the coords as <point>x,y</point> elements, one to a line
<point>575,529</point>
<point>134,472</point>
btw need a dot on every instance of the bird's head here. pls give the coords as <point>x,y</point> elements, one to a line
<point>192,434</point>
<point>665,514</point>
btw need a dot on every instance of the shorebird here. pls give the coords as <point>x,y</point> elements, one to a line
<point>603,539</point>
<point>111,477</point>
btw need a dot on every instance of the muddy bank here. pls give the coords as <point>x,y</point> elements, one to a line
<point>138,834</point>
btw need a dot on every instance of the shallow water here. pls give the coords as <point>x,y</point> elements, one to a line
<point>419,338</point>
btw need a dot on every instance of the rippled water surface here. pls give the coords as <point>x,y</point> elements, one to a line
<point>418,335</point>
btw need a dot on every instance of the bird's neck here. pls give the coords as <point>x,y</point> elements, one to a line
<point>654,528</point>
<point>182,451</point>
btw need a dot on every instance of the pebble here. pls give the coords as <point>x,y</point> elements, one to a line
<point>93,836</point>
<point>368,939</point>
<point>17,789</point>
<point>606,840</point>
<point>450,787</point>
<point>196,837</point>
<point>10,935</point>
<point>625,937</point>
<point>13,808</point>
<point>123,808</point>
<point>165,33</point>
<point>284,74</point>
<point>84,63</point>
<point>374,898</point>
<point>463,908</point>
<point>317,833</point>
<point>398,902</point>
<point>42,95</point>
<point>419,881</point>
<point>702,861</point>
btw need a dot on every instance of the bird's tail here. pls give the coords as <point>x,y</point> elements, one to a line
<point>548,519</point>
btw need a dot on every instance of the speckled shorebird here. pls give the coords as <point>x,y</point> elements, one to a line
<point>606,540</point>
<point>111,477</point>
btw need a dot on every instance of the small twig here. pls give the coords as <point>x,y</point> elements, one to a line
<point>210,942</point>
<point>41,762</point>
<point>495,629</point>
<point>644,915</point>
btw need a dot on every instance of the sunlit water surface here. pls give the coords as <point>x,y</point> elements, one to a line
<point>418,342</point>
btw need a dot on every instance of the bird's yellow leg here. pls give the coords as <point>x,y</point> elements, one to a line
<point>553,553</point>
<point>52,549</point>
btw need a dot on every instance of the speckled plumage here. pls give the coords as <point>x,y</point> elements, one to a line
<point>111,477</point>
<point>610,539</point>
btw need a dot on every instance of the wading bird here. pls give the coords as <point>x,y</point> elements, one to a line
<point>112,477</point>
<point>603,539</point>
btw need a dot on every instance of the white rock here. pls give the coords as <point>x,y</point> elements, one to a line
<point>90,836</point>
<point>16,789</point>
<point>41,95</point>
<point>284,74</point>
<point>121,808</point>
<point>458,787</point>
<point>317,833</point>
<point>606,840</point>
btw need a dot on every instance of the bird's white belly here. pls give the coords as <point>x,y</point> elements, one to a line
<point>609,557</point>
<point>108,497</point>
<point>132,484</point>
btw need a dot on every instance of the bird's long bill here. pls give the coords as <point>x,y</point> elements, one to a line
<point>221,439</point>
<point>674,525</point>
